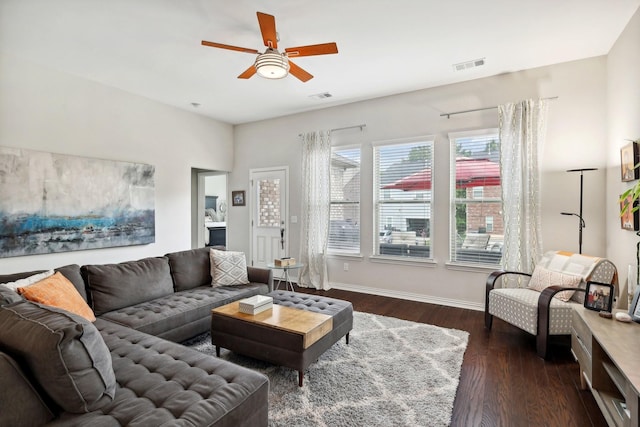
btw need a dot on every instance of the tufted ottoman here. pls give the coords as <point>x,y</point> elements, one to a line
<point>279,346</point>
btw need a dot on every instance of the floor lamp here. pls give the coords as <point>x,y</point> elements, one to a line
<point>581,223</point>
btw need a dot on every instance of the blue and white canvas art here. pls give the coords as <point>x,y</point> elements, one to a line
<point>59,203</point>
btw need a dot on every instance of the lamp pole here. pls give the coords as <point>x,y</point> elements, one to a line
<point>581,223</point>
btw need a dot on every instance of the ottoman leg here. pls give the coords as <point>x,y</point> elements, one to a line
<point>217,351</point>
<point>347,337</point>
<point>300,377</point>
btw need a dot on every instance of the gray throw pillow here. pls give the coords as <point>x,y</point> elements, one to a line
<point>190,268</point>
<point>65,353</point>
<point>21,403</point>
<point>8,296</point>
<point>115,286</point>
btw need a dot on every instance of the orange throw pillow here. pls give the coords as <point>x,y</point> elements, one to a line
<point>58,291</point>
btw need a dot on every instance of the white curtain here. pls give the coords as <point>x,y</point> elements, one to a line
<point>522,134</point>
<point>316,199</point>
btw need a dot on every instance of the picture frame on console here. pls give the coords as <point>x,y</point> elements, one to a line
<point>599,296</point>
<point>634,307</point>
<point>629,158</point>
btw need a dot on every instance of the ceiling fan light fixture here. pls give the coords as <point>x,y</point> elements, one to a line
<point>272,64</point>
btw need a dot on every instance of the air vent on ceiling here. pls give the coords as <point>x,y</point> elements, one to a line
<point>468,64</point>
<point>322,95</point>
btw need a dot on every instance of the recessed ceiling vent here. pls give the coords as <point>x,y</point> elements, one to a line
<point>468,64</point>
<point>322,95</point>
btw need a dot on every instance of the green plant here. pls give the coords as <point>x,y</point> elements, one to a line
<point>627,201</point>
<point>633,192</point>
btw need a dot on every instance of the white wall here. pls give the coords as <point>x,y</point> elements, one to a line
<point>41,109</point>
<point>216,185</point>
<point>576,131</point>
<point>623,115</point>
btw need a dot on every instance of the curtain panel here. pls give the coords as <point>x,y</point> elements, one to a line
<point>316,201</point>
<point>522,136</point>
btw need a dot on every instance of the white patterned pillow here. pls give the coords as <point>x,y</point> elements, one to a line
<point>21,283</point>
<point>543,278</point>
<point>228,268</point>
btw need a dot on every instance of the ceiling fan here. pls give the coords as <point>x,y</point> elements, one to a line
<point>272,64</point>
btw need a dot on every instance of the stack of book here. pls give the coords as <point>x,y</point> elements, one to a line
<point>284,262</point>
<point>256,304</point>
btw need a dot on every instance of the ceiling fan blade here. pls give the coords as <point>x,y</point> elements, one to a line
<point>249,72</point>
<point>299,72</point>
<point>316,49</point>
<point>268,29</point>
<point>226,46</point>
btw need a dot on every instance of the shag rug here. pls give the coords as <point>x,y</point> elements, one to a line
<point>392,373</point>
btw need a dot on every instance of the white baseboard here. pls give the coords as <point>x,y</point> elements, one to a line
<point>408,296</point>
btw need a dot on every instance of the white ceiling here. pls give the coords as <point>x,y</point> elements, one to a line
<point>152,47</point>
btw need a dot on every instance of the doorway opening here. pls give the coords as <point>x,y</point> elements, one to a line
<point>209,208</point>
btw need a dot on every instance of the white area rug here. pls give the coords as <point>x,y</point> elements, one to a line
<point>392,373</point>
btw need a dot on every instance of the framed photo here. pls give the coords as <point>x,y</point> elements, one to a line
<point>629,158</point>
<point>238,198</point>
<point>599,296</point>
<point>630,220</point>
<point>634,308</point>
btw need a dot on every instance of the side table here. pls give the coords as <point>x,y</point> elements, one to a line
<point>287,277</point>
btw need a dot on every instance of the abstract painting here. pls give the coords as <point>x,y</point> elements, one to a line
<point>59,203</point>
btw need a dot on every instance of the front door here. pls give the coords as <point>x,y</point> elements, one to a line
<point>269,209</point>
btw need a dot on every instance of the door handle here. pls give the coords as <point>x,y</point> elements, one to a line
<point>282,236</point>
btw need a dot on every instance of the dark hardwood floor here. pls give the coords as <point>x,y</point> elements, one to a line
<point>503,382</point>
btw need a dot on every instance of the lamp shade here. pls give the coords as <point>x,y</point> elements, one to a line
<point>272,65</point>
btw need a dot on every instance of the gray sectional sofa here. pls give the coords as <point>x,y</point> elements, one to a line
<point>127,368</point>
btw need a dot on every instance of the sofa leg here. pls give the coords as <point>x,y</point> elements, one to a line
<point>300,378</point>
<point>217,351</point>
<point>347,337</point>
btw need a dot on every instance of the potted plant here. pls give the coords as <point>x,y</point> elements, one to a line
<point>628,205</point>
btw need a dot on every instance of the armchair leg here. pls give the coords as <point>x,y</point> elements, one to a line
<point>542,337</point>
<point>542,340</point>
<point>488,320</point>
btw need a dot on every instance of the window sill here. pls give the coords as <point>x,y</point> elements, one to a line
<point>382,259</point>
<point>345,255</point>
<point>472,267</point>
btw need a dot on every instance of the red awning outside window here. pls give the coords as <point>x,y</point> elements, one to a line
<point>469,173</point>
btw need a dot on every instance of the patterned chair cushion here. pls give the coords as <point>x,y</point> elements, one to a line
<point>543,278</point>
<point>520,308</point>
<point>588,267</point>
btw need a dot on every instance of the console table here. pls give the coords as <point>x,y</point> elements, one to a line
<point>608,352</point>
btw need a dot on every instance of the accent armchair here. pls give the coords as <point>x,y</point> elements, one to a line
<point>526,300</point>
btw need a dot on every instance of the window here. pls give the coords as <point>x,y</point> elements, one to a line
<point>269,200</point>
<point>477,232</point>
<point>344,220</point>
<point>489,224</point>
<point>402,177</point>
